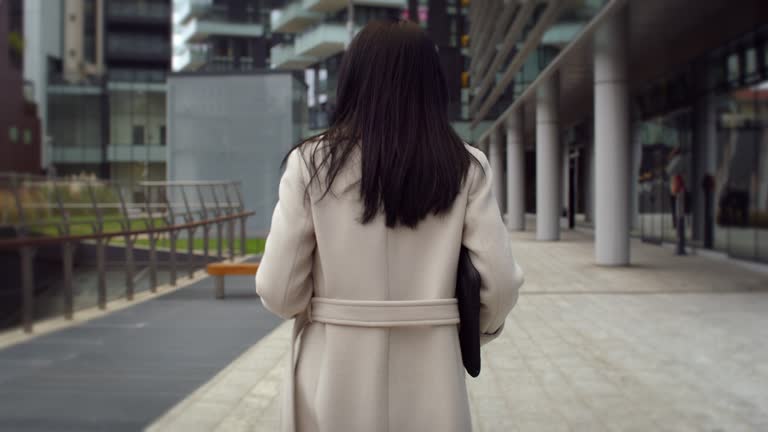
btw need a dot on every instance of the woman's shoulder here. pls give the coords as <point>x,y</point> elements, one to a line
<point>310,146</point>
<point>477,154</point>
<point>479,165</point>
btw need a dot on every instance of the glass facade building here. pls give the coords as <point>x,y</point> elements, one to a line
<point>106,94</point>
<point>313,36</point>
<point>707,124</point>
<point>630,108</point>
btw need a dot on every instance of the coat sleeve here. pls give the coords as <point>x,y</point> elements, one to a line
<point>284,278</point>
<point>487,240</point>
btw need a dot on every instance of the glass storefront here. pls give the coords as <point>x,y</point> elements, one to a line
<point>740,72</point>
<point>741,177</point>
<point>708,124</point>
<point>665,153</point>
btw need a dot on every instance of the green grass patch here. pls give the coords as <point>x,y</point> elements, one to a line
<point>252,245</point>
<point>84,226</point>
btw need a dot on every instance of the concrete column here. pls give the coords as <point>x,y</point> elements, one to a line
<point>515,172</point>
<point>495,159</point>
<point>566,164</point>
<point>549,167</point>
<point>612,143</point>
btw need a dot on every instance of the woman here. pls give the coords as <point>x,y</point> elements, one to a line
<point>364,246</point>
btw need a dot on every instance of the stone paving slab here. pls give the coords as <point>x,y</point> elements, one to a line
<point>668,344</point>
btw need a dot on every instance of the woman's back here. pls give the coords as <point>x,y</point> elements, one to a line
<point>363,251</point>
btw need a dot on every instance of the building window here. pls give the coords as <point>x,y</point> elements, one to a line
<point>162,135</point>
<point>765,55</point>
<point>751,65</point>
<point>89,31</point>
<point>27,136</point>
<point>13,134</point>
<point>734,72</point>
<point>138,135</point>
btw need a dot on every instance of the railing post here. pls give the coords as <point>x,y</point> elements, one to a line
<point>173,235</point>
<point>189,218</point>
<point>230,223</point>
<point>190,253</point>
<point>242,235</point>
<point>217,213</point>
<point>206,241</point>
<point>231,238</point>
<point>68,263</point>
<point>28,288</point>
<point>205,227</point>
<point>101,267</point>
<point>26,255</point>
<point>152,262</point>
<point>102,273</point>
<point>130,267</point>
<point>243,219</point>
<point>219,240</point>
<point>152,242</point>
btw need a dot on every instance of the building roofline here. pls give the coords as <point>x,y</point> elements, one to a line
<point>582,37</point>
<point>186,74</point>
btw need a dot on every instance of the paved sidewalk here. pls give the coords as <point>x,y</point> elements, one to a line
<point>123,369</point>
<point>669,344</point>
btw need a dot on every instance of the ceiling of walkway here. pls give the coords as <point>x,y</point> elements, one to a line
<point>664,36</point>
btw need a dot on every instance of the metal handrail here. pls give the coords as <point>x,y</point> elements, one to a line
<point>19,242</point>
<point>219,206</point>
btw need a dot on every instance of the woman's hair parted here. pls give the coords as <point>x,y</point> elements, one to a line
<point>392,100</point>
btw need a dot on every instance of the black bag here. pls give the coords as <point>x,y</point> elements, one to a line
<point>468,295</point>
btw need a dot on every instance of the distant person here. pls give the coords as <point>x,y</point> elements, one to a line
<point>364,245</point>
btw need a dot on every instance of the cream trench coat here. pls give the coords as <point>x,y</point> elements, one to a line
<point>360,364</point>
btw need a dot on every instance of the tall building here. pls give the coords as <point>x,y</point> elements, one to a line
<point>446,23</point>
<point>19,122</point>
<point>315,34</point>
<point>104,87</point>
<point>220,35</point>
<point>628,117</point>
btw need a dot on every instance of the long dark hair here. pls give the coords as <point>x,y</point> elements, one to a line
<point>392,101</point>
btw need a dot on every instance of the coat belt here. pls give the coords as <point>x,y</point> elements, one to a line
<point>365,313</point>
<point>386,313</point>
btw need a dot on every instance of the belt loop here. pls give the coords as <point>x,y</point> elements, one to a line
<point>309,311</point>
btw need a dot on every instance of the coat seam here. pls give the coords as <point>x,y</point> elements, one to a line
<point>389,366</point>
<point>389,331</point>
<point>292,267</point>
<point>296,254</point>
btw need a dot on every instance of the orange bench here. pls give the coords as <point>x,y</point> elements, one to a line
<point>221,269</point>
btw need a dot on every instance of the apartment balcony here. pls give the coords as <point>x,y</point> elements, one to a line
<point>191,59</point>
<point>383,3</point>
<point>29,91</point>
<point>230,64</point>
<point>322,41</point>
<point>122,152</point>
<point>149,49</point>
<point>142,13</point>
<point>192,9</point>
<point>199,29</point>
<point>562,34</point>
<point>154,76</point>
<point>293,18</point>
<point>283,56</point>
<point>79,154</point>
<point>335,5</point>
<point>115,153</point>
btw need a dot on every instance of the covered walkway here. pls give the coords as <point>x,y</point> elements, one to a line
<point>667,344</point>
